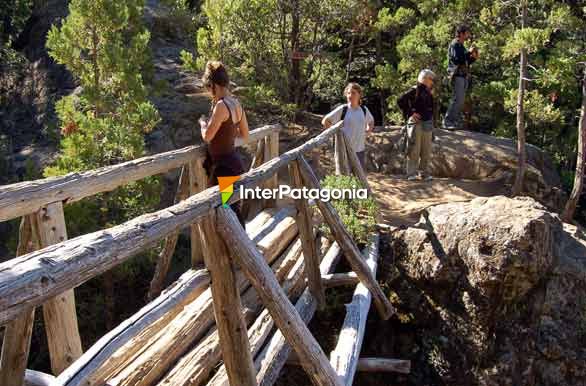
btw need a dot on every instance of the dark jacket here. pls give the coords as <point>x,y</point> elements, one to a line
<point>459,59</point>
<point>417,99</point>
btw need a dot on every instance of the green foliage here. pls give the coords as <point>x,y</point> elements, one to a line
<point>13,16</point>
<point>358,215</point>
<point>105,45</point>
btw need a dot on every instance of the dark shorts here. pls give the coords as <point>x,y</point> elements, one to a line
<point>225,166</point>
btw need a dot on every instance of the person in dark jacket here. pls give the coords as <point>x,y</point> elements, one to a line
<point>459,61</point>
<point>417,108</point>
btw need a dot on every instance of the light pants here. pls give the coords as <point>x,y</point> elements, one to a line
<point>420,148</point>
<point>454,113</point>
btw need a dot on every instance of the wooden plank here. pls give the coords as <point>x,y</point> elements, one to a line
<point>372,365</point>
<point>59,312</point>
<point>129,336</point>
<point>310,251</point>
<point>340,279</point>
<point>354,163</point>
<point>164,258</point>
<point>281,309</point>
<point>45,274</point>
<point>384,365</point>
<point>193,369</point>
<point>23,198</point>
<point>18,333</point>
<point>350,249</point>
<point>37,378</point>
<point>340,155</point>
<point>144,361</point>
<point>272,358</point>
<point>198,182</point>
<point>344,357</point>
<point>227,308</point>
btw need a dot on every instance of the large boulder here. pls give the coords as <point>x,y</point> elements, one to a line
<point>504,281</point>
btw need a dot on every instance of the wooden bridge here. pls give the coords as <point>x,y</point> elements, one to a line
<point>247,309</point>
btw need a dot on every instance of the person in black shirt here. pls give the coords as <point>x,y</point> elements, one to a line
<point>459,61</point>
<point>417,108</point>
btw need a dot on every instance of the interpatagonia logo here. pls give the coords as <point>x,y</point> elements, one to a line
<point>226,185</point>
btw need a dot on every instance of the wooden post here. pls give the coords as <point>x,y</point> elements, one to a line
<point>310,250</point>
<point>271,150</point>
<point>59,313</point>
<point>344,358</point>
<point>354,162</point>
<point>340,154</point>
<point>164,260</point>
<point>315,160</point>
<point>198,182</point>
<point>252,207</point>
<point>284,314</point>
<point>340,279</point>
<point>228,309</point>
<point>350,249</point>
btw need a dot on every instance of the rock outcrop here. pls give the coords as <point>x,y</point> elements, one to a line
<point>502,282</point>
<point>467,155</point>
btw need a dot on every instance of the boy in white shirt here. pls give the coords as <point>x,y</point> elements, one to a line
<point>357,120</point>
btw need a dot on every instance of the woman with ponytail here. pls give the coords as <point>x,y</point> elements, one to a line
<point>226,122</point>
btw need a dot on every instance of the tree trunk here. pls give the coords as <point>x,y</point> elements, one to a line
<point>295,75</point>
<point>572,203</point>
<point>521,151</point>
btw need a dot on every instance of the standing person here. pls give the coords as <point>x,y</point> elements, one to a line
<point>227,121</point>
<point>459,61</point>
<point>357,120</point>
<point>417,107</point>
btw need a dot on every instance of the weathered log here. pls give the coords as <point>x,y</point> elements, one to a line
<point>271,150</point>
<point>194,368</point>
<point>252,207</point>
<point>275,353</point>
<point>36,378</point>
<point>310,252</point>
<point>160,350</point>
<point>128,338</point>
<point>164,258</point>
<point>26,197</point>
<point>277,216</point>
<point>283,312</point>
<point>198,182</point>
<point>228,308</point>
<point>18,333</point>
<point>384,365</point>
<point>340,279</point>
<point>350,249</point>
<point>354,162</point>
<point>51,271</point>
<point>279,237</point>
<point>371,365</point>
<point>340,155</point>
<point>344,357</point>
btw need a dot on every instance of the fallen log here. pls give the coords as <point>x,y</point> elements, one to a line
<point>272,358</point>
<point>149,346</point>
<point>344,358</point>
<point>371,365</point>
<point>340,279</point>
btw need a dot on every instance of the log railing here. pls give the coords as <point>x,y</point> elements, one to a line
<point>40,203</point>
<point>35,278</point>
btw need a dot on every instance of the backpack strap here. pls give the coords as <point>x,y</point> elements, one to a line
<point>344,111</point>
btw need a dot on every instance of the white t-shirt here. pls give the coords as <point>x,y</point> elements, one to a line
<point>355,123</point>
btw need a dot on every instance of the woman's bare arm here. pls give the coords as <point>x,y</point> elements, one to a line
<point>219,115</point>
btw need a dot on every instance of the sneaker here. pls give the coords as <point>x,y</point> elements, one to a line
<point>450,126</point>
<point>427,177</point>
<point>412,177</point>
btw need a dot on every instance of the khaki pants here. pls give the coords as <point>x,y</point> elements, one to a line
<point>419,150</point>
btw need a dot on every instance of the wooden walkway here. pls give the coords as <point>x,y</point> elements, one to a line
<point>248,309</point>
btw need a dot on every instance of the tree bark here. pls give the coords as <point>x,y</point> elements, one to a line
<point>521,151</point>
<point>572,203</point>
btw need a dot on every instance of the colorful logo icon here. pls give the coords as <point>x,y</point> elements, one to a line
<point>227,188</point>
